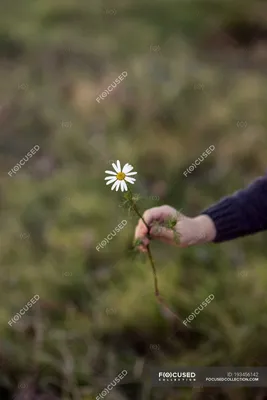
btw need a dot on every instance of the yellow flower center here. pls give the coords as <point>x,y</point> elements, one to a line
<point>120,176</point>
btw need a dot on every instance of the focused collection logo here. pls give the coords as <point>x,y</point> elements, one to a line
<point>177,376</point>
<point>183,376</point>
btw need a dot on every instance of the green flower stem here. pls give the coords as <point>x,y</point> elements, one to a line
<point>160,300</point>
<point>148,247</point>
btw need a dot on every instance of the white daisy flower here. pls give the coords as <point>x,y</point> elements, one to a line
<point>120,176</point>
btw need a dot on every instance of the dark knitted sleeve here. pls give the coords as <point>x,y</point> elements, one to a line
<point>243,213</point>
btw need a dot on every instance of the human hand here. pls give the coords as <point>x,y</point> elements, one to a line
<point>171,226</point>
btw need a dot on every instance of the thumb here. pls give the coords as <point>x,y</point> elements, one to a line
<point>168,235</point>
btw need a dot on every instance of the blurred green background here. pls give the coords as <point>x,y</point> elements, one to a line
<point>196,77</point>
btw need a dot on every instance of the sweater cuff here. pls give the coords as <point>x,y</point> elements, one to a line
<point>226,218</point>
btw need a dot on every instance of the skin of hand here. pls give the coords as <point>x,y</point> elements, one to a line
<point>198,230</point>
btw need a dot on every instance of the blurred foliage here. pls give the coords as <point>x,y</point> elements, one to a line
<point>196,76</point>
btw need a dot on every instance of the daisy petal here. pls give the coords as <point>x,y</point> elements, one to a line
<point>127,168</point>
<point>111,180</point>
<point>111,172</point>
<point>110,177</point>
<point>115,167</point>
<point>131,173</point>
<point>117,188</point>
<point>119,165</point>
<point>125,186</point>
<point>131,180</point>
<point>115,184</point>
<point>122,186</point>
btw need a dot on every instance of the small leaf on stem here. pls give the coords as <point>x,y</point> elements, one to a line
<point>128,195</point>
<point>137,242</point>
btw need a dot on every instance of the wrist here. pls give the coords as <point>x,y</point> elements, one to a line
<point>198,230</point>
<point>206,228</point>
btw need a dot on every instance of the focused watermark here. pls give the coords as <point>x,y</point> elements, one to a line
<point>21,312</point>
<point>110,88</point>
<point>242,124</point>
<point>23,86</point>
<point>199,160</point>
<point>111,235</point>
<point>195,313</point>
<point>67,274</point>
<point>66,124</point>
<point>208,376</point>
<point>111,385</point>
<point>154,347</point>
<point>111,311</point>
<point>110,11</point>
<point>155,49</point>
<point>198,86</point>
<point>25,235</point>
<point>190,376</point>
<point>138,196</point>
<point>18,166</point>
